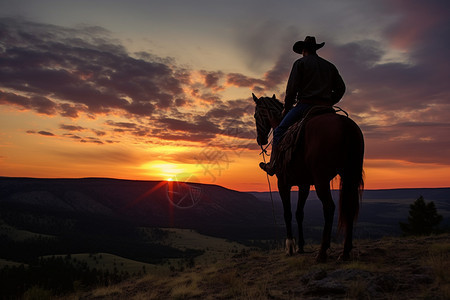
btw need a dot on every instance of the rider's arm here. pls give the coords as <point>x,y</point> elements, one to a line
<point>292,87</point>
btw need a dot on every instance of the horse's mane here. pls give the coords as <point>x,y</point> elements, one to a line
<point>272,103</point>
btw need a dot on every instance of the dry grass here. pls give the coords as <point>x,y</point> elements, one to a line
<point>439,261</point>
<point>107,291</point>
<point>384,269</point>
<point>359,265</point>
<point>185,291</point>
<point>151,295</point>
<point>185,286</point>
<point>357,289</point>
<point>439,255</point>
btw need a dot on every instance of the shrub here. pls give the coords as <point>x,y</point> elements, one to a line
<point>423,218</point>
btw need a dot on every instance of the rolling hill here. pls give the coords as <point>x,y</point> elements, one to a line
<point>208,209</point>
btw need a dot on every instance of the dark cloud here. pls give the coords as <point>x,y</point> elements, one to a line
<point>241,80</point>
<point>83,71</point>
<point>91,140</point>
<point>99,132</point>
<point>82,67</point>
<point>71,111</point>
<point>39,104</point>
<point>232,111</point>
<point>71,127</point>
<point>46,133</point>
<point>190,137</point>
<point>126,125</point>
<point>212,80</point>
<point>209,97</point>
<point>232,118</point>
<point>201,125</point>
<point>416,142</point>
<point>133,129</point>
<point>73,136</point>
<point>271,80</point>
<point>278,74</point>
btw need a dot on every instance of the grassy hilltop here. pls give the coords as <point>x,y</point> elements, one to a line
<point>389,268</point>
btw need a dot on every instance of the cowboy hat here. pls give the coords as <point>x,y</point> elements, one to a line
<point>309,44</point>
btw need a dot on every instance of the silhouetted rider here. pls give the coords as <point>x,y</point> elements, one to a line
<point>313,81</point>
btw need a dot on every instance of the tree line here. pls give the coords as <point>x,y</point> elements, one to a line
<point>58,275</point>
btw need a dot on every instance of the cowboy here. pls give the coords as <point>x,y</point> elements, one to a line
<point>313,81</point>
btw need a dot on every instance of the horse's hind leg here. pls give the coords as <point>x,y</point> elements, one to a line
<point>303,192</point>
<point>324,194</point>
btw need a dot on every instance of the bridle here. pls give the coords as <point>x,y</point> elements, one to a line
<point>264,149</point>
<point>263,106</point>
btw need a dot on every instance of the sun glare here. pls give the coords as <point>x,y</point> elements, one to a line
<point>162,170</point>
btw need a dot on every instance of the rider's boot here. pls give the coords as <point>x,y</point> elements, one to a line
<point>272,166</point>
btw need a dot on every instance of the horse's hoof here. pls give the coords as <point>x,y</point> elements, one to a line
<point>290,247</point>
<point>300,250</point>
<point>289,251</point>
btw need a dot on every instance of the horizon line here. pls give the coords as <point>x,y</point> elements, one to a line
<point>211,184</point>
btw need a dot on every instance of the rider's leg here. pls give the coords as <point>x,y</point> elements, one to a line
<point>295,114</point>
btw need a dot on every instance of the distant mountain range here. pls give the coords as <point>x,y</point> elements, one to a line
<point>209,209</point>
<point>380,210</point>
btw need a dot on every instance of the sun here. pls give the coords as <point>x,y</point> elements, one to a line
<point>169,171</point>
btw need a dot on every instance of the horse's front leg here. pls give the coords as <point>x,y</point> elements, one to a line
<point>303,192</point>
<point>324,194</point>
<point>285,194</point>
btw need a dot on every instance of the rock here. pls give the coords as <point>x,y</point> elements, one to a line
<point>386,283</point>
<point>351,274</point>
<point>315,275</point>
<point>325,286</point>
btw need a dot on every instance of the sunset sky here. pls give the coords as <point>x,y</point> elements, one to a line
<point>159,90</point>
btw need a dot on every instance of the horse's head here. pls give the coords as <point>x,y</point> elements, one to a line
<point>267,113</point>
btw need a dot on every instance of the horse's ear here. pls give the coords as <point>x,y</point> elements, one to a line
<point>274,96</point>
<point>254,97</point>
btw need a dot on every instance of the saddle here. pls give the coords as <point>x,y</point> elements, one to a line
<point>290,142</point>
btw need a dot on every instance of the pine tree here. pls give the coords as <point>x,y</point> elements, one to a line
<point>423,218</point>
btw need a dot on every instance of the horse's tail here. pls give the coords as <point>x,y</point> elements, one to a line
<point>352,176</point>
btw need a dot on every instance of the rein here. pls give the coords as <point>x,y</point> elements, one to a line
<point>264,152</point>
<point>264,149</point>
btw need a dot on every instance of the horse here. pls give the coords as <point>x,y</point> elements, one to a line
<point>332,144</point>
